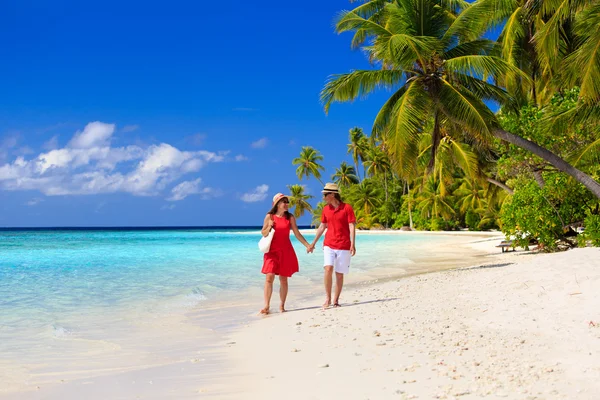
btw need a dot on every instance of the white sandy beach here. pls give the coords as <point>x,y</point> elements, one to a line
<point>520,327</point>
<point>513,325</point>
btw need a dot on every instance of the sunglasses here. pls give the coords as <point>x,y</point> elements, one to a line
<point>285,201</point>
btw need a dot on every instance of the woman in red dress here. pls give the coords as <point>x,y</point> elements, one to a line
<point>281,259</point>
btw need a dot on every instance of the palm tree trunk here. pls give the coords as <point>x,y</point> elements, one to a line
<point>552,158</point>
<point>435,141</point>
<point>537,174</point>
<point>357,171</point>
<point>499,184</point>
<point>410,220</point>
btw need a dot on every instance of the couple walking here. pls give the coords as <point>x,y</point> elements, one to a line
<point>339,245</point>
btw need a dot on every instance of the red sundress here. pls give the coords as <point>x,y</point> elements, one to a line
<point>281,258</point>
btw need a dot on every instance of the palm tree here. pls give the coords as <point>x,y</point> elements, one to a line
<point>377,164</point>
<point>432,203</point>
<point>316,214</point>
<point>356,146</point>
<point>308,163</point>
<point>345,175</point>
<point>438,76</point>
<point>366,197</point>
<point>470,195</point>
<point>299,200</point>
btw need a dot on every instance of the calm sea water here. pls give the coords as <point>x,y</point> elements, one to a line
<point>52,281</point>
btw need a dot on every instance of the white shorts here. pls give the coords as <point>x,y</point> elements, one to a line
<point>340,259</point>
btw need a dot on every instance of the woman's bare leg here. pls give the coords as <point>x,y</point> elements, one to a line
<point>268,292</point>
<point>283,291</point>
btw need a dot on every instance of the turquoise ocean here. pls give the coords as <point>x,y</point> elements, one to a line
<point>60,284</point>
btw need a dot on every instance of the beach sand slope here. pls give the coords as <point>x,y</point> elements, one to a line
<point>521,328</point>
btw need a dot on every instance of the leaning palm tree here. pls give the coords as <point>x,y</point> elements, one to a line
<point>345,175</point>
<point>299,200</point>
<point>437,77</point>
<point>308,163</point>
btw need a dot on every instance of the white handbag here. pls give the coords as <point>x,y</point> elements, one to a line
<point>264,244</point>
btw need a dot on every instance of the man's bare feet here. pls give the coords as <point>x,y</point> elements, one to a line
<point>326,304</point>
<point>282,309</point>
<point>336,304</point>
<point>264,311</point>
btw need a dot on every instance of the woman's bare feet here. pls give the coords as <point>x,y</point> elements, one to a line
<point>336,304</point>
<point>326,304</point>
<point>264,311</point>
<point>282,308</point>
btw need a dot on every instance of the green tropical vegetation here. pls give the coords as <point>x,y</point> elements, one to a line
<point>476,133</point>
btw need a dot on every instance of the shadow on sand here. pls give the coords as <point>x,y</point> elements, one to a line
<point>343,305</point>
<point>500,265</point>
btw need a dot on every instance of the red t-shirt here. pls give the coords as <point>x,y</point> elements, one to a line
<point>338,229</point>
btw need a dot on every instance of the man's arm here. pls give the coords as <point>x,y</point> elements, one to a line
<point>320,231</point>
<point>352,238</point>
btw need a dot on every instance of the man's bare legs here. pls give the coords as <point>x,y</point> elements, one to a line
<point>269,278</point>
<point>339,283</point>
<point>283,291</point>
<point>328,281</point>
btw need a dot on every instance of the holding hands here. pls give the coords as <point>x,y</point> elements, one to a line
<point>310,248</point>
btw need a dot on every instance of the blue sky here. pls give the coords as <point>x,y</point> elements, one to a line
<point>177,113</point>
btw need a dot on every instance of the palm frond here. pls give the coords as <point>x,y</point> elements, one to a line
<point>474,47</point>
<point>583,65</point>
<point>351,21</point>
<point>464,108</point>
<point>347,87</point>
<point>483,66</point>
<point>410,113</point>
<point>591,150</point>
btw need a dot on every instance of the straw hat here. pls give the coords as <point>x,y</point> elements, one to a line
<point>330,188</point>
<point>278,197</point>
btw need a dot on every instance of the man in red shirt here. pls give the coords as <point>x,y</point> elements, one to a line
<point>339,221</point>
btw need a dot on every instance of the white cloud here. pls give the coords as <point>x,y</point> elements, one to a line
<point>130,128</point>
<point>258,194</point>
<point>89,165</point>
<point>94,134</point>
<point>241,157</point>
<point>188,188</point>
<point>35,201</point>
<point>260,143</point>
<point>51,144</point>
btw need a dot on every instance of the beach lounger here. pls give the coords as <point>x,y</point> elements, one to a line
<point>505,245</point>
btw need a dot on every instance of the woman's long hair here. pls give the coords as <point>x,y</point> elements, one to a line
<point>273,210</point>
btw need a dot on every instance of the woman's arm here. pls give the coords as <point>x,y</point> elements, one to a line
<point>267,225</point>
<point>297,232</point>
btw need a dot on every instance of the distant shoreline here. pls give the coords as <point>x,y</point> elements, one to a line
<point>303,228</point>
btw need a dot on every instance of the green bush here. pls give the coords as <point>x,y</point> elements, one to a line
<point>592,229</point>
<point>543,213</point>
<point>529,215</point>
